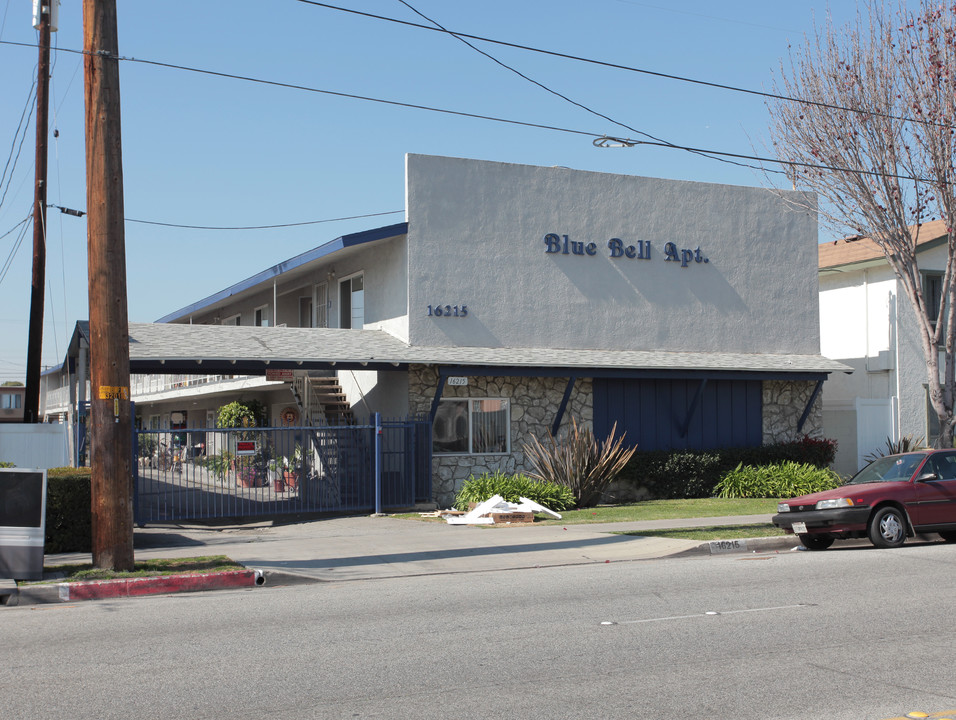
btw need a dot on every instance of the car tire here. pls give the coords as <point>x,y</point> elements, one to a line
<point>949,536</point>
<point>887,528</point>
<point>816,542</point>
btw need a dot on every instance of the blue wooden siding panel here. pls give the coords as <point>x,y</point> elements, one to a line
<point>653,413</point>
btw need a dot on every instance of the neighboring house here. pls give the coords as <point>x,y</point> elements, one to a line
<point>867,322</point>
<point>513,299</point>
<point>11,403</point>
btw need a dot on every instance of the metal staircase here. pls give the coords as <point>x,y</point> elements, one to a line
<point>342,448</point>
<point>322,401</point>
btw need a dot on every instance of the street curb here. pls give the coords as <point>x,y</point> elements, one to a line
<point>135,587</point>
<point>747,545</point>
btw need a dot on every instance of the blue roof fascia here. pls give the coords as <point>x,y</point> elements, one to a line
<point>329,248</point>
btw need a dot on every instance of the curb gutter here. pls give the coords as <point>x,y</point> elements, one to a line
<point>745,545</point>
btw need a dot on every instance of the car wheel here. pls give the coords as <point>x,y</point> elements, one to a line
<point>816,542</point>
<point>887,528</point>
<point>949,536</point>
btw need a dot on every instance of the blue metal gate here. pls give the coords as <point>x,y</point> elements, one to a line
<point>206,473</point>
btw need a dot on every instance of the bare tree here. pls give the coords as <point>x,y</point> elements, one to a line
<point>875,139</point>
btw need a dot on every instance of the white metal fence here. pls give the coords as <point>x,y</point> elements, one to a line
<point>29,445</point>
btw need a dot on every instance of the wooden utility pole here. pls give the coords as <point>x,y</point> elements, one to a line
<point>31,400</point>
<point>110,434</point>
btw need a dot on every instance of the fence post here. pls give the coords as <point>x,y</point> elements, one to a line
<point>378,463</point>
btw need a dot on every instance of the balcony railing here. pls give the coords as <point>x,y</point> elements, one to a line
<point>144,386</point>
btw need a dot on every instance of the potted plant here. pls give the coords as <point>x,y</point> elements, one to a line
<point>292,467</point>
<point>276,476</point>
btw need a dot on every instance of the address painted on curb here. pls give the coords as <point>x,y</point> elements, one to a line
<point>727,546</point>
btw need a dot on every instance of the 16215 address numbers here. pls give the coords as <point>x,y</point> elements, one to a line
<point>458,311</point>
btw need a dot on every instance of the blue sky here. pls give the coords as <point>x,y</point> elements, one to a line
<point>213,151</point>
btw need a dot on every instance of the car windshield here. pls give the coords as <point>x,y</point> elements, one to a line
<point>888,469</point>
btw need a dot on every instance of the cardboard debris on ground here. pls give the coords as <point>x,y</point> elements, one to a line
<point>498,511</point>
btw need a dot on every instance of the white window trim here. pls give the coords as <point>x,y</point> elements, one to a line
<point>348,279</point>
<point>233,320</point>
<point>263,312</point>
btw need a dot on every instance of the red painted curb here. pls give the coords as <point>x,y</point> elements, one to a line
<point>135,587</point>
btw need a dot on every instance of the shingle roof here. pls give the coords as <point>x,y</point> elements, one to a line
<point>860,249</point>
<point>154,345</point>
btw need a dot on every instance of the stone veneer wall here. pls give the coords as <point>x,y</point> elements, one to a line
<point>534,405</point>
<point>783,403</point>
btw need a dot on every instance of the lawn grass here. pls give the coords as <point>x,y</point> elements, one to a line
<point>666,510</point>
<point>652,510</point>
<point>144,568</point>
<point>714,532</point>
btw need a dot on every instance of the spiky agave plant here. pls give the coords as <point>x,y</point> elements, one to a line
<point>579,462</point>
<point>895,447</point>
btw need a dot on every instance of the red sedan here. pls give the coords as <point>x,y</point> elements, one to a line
<point>891,498</point>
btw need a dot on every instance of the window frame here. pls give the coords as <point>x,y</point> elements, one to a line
<point>11,401</point>
<point>472,430</point>
<point>933,297</point>
<point>260,317</point>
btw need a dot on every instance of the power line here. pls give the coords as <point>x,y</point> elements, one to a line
<point>81,213</point>
<point>263,227</point>
<point>25,117</point>
<point>627,68</point>
<point>555,92</point>
<point>625,142</point>
<point>16,246</point>
<point>14,228</point>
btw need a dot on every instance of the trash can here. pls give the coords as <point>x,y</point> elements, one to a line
<point>22,523</point>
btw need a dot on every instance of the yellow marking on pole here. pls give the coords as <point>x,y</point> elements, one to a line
<point>111,392</point>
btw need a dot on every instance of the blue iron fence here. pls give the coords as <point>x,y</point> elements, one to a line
<point>206,473</point>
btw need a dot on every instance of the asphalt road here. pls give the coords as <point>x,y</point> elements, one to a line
<point>856,633</point>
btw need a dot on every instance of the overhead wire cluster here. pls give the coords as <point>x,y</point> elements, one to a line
<point>600,140</point>
<point>603,140</point>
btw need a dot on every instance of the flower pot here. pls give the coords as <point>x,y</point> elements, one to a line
<point>279,484</point>
<point>290,479</point>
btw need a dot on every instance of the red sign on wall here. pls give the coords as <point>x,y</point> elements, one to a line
<point>245,447</point>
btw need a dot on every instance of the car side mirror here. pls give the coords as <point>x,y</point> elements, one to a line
<point>927,477</point>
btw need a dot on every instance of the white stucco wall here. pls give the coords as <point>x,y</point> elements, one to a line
<point>912,372</point>
<point>477,239</point>
<point>867,322</point>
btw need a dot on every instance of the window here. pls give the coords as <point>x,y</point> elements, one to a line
<point>321,305</point>
<point>352,302</point>
<point>933,295</point>
<point>305,312</point>
<point>262,316</point>
<point>10,401</point>
<point>472,426</point>
<point>233,320</point>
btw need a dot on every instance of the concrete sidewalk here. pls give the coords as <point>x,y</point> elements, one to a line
<point>363,548</point>
<point>368,548</point>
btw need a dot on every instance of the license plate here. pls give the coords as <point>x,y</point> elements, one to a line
<point>799,528</point>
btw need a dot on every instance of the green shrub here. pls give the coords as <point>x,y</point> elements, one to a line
<point>6,464</point>
<point>780,480</point>
<point>69,524</point>
<point>511,488</point>
<point>680,474</point>
<point>675,475</point>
